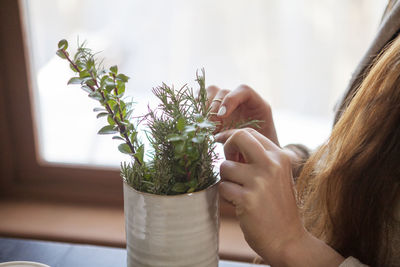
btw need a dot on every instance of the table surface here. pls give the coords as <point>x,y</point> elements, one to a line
<point>57,254</point>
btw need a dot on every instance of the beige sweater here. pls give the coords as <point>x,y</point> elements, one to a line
<point>351,262</point>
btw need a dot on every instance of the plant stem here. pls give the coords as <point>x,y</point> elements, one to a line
<point>119,104</point>
<point>108,108</point>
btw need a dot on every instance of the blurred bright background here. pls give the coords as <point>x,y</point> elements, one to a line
<point>298,54</point>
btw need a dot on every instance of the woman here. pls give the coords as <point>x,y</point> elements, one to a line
<point>347,203</point>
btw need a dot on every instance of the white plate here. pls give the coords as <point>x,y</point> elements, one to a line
<point>22,264</point>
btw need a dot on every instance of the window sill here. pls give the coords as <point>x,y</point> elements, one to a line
<point>95,225</point>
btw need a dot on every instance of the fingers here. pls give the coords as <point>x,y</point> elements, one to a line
<point>233,99</point>
<point>234,171</point>
<point>231,192</point>
<point>216,101</point>
<point>222,137</point>
<point>241,142</point>
<point>225,101</point>
<point>211,92</point>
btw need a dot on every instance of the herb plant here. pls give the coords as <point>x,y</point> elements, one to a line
<point>179,129</point>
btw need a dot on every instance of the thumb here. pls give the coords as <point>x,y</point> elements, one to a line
<point>233,99</point>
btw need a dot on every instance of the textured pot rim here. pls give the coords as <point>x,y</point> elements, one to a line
<point>173,196</point>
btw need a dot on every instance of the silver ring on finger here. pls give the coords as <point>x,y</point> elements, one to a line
<point>217,100</point>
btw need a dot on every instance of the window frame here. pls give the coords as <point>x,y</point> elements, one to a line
<point>22,173</point>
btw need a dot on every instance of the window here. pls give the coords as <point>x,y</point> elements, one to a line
<point>21,174</point>
<point>297,54</point>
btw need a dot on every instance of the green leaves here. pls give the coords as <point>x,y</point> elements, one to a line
<point>109,85</point>
<point>133,136</point>
<point>96,95</point>
<point>63,44</point>
<point>122,77</point>
<point>90,63</point>
<point>84,74</point>
<point>110,120</point>
<point>179,133</point>
<point>118,138</point>
<point>114,69</point>
<point>180,125</point>
<point>140,153</point>
<point>187,187</point>
<point>179,188</point>
<point>109,129</point>
<point>124,148</point>
<point>120,88</point>
<point>102,114</point>
<point>175,137</point>
<point>86,89</point>
<point>182,140</point>
<point>74,80</point>
<point>99,109</point>
<point>108,88</point>
<point>61,54</point>
<point>206,125</point>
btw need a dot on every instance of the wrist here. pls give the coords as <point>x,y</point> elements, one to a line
<point>308,250</point>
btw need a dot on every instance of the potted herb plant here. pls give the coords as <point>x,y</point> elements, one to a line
<point>171,200</point>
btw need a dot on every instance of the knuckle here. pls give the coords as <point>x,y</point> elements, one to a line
<point>212,89</point>
<point>278,162</point>
<point>247,198</point>
<point>223,189</point>
<point>224,91</point>
<point>245,87</point>
<point>284,158</point>
<point>274,164</point>
<point>248,201</point>
<point>250,130</point>
<point>228,98</point>
<point>268,107</point>
<point>223,168</point>
<point>240,133</point>
<point>259,182</point>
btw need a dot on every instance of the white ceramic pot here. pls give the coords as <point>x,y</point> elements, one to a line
<point>179,230</point>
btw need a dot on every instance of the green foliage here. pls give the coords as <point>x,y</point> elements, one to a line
<point>180,134</point>
<point>124,148</point>
<point>181,138</point>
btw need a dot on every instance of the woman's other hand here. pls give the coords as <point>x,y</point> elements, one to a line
<point>241,105</point>
<point>257,180</point>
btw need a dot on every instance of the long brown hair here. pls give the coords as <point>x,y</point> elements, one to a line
<point>349,188</point>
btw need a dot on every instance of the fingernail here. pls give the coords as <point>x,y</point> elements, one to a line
<point>217,136</point>
<point>221,111</point>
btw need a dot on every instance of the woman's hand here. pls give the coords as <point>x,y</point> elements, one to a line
<point>257,180</point>
<point>241,105</point>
